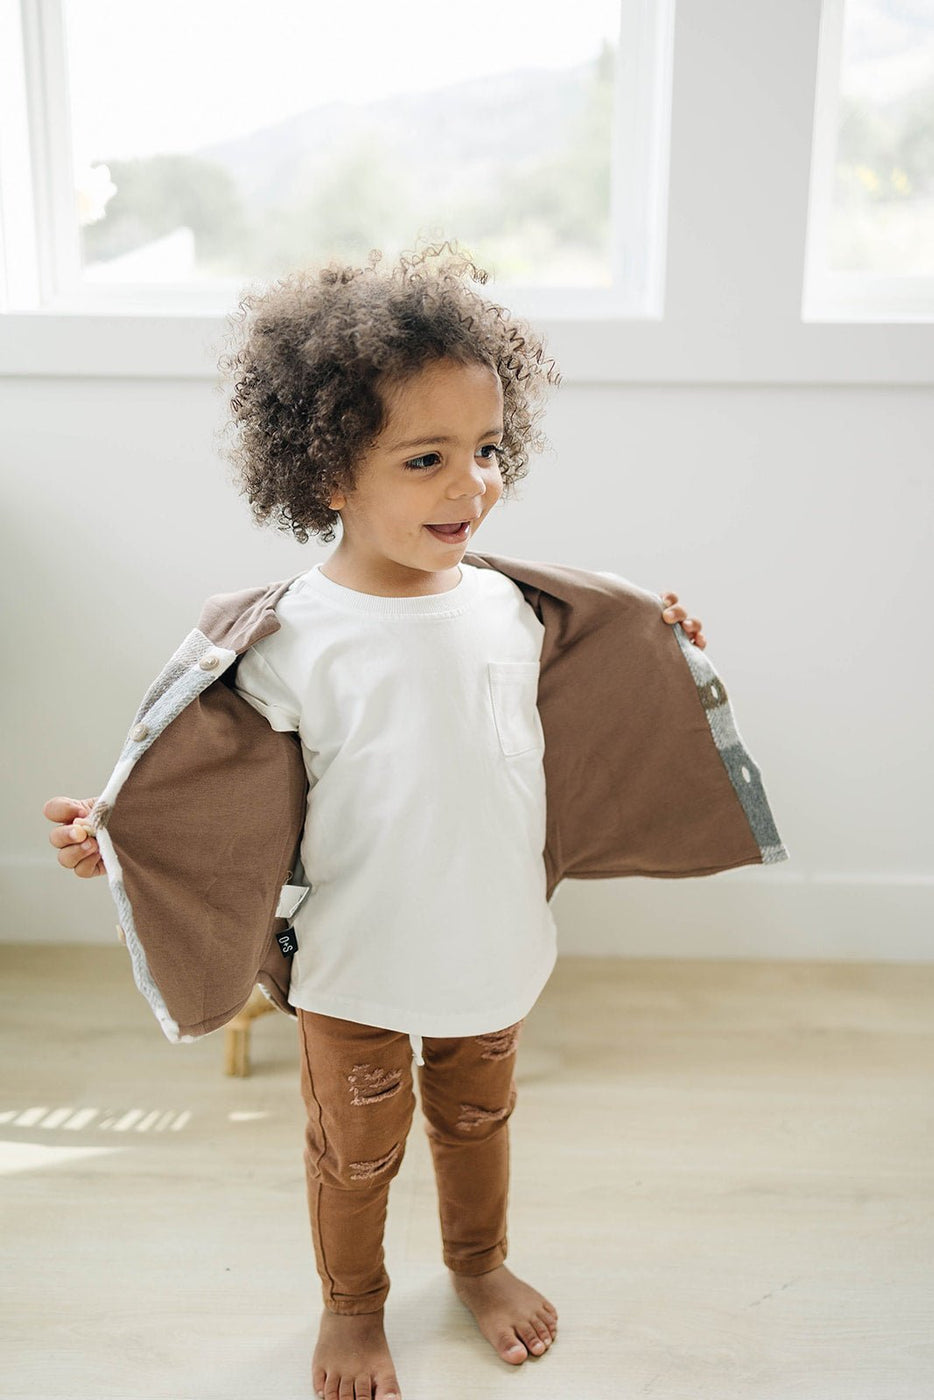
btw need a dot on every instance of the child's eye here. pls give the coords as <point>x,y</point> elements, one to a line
<point>417,464</point>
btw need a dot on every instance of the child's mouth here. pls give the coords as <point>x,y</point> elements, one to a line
<point>455,533</point>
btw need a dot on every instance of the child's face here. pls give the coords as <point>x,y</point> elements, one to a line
<point>409,479</point>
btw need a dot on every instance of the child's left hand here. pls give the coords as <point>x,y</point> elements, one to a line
<point>692,625</point>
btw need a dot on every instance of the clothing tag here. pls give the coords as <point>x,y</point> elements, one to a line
<point>290,897</point>
<point>287,941</point>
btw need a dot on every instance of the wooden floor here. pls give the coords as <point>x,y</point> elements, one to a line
<point>721,1177</point>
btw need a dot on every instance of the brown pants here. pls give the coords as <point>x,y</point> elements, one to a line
<point>357,1087</point>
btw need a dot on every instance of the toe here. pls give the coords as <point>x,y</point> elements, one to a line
<point>543,1330</point>
<point>531,1338</point>
<point>510,1348</point>
<point>547,1325</point>
<point>363,1388</point>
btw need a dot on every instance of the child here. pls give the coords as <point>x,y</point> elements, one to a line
<point>402,405</point>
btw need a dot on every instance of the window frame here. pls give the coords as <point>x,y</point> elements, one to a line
<point>828,295</point>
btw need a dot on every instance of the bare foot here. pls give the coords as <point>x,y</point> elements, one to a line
<point>352,1359</point>
<point>514,1318</point>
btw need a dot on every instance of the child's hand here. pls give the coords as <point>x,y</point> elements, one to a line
<point>692,625</point>
<point>76,850</point>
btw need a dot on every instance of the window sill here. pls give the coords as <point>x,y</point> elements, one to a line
<point>596,351</point>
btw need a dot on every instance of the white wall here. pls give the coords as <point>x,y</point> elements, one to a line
<point>796,522</point>
<point>777,474</point>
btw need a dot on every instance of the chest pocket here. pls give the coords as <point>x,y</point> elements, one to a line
<point>514,697</point>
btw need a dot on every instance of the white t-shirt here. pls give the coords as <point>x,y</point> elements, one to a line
<point>425,830</point>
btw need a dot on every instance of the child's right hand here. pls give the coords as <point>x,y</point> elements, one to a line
<point>76,850</point>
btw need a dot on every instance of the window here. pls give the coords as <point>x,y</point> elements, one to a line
<point>685,194</point>
<point>871,227</point>
<point>180,150</point>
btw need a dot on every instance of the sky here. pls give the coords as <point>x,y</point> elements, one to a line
<point>179,74</point>
<point>151,76</point>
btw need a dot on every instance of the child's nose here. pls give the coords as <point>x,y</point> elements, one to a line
<point>471,480</point>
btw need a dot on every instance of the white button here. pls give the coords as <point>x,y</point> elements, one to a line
<point>139,733</point>
<point>209,660</point>
<point>746,773</point>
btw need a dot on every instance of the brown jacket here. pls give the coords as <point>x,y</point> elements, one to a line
<point>200,823</point>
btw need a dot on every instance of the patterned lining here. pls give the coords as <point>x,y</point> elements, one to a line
<point>741,767</point>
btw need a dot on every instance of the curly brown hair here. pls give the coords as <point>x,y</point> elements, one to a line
<point>308,357</point>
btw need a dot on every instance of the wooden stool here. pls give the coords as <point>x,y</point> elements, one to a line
<point>237,1033</point>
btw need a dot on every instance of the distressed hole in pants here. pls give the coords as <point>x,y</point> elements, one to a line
<point>473,1116</point>
<point>498,1044</point>
<point>369,1084</point>
<point>363,1171</point>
